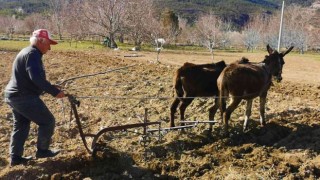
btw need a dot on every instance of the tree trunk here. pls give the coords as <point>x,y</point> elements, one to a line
<point>212,56</point>
<point>113,43</point>
<point>121,39</point>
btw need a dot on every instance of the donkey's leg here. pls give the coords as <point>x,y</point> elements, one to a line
<point>185,103</point>
<point>213,111</point>
<point>173,110</point>
<point>222,103</point>
<point>226,116</point>
<point>263,100</point>
<point>248,114</point>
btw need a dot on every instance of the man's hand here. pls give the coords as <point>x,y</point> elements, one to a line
<point>60,95</point>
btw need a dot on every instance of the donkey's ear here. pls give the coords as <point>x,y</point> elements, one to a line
<point>269,49</point>
<point>284,53</point>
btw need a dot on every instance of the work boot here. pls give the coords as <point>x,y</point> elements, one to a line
<point>17,160</point>
<point>46,153</point>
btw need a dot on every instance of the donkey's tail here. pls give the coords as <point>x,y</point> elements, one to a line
<point>178,85</point>
<point>223,94</point>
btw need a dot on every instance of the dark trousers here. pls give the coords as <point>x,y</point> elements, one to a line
<point>26,110</point>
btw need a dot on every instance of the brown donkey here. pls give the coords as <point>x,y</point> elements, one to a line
<point>193,80</point>
<point>248,80</point>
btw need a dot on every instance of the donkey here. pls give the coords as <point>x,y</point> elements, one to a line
<point>193,80</point>
<point>247,80</point>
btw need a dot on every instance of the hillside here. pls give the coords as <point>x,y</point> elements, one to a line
<point>21,8</point>
<point>234,10</point>
<point>237,11</point>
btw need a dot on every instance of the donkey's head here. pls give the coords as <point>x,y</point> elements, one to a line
<point>275,62</point>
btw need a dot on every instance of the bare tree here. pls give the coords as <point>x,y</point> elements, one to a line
<point>155,28</point>
<point>19,27</point>
<point>251,38</point>
<point>107,15</point>
<point>296,27</point>
<point>252,32</point>
<point>58,14</point>
<point>270,33</point>
<point>76,24</point>
<point>8,25</point>
<point>236,39</point>
<point>170,25</point>
<point>315,39</point>
<point>184,31</point>
<point>33,21</point>
<point>226,31</point>
<point>139,14</point>
<point>209,31</point>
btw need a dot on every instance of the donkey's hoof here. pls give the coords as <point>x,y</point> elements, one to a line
<point>207,132</point>
<point>226,134</point>
<point>245,129</point>
<point>263,124</point>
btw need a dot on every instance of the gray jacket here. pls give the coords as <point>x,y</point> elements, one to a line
<point>28,75</point>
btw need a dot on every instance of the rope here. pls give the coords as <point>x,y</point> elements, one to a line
<point>88,75</point>
<point>140,98</point>
<point>160,98</point>
<point>116,85</point>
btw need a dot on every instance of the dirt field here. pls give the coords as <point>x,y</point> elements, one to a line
<point>287,148</point>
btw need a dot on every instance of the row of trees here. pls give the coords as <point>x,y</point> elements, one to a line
<point>137,22</point>
<point>297,30</point>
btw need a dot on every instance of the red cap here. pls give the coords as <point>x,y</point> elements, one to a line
<point>43,33</point>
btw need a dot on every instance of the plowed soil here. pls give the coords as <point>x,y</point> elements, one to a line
<point>287,148</point>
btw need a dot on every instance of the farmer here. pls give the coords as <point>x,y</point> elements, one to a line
<point>22,94</point>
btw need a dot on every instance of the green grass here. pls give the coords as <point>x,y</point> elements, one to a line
<point>62,46</point>
<point>79,45</point>
<point>84,45</point>
<point>16,45</point>
<point>13,45</point>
